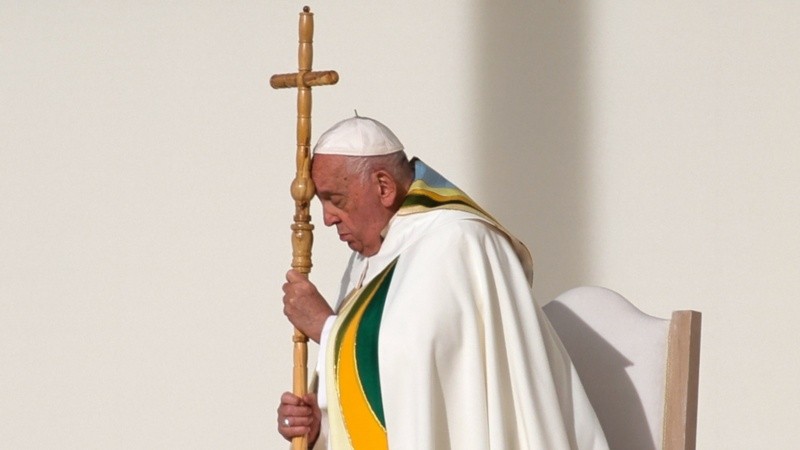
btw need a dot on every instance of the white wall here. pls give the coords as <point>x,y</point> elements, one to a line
<point>695,184</point>
<point>144,208</point>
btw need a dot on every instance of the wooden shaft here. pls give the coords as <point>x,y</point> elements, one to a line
<point>299,376</point>
<point>302,191</point>
<point>302,188</point>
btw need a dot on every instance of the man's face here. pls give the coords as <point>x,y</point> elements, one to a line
<point>351,204</point>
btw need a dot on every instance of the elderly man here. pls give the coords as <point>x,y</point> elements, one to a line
<point>436,341</point>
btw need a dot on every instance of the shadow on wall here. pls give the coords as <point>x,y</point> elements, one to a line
<point>532,132</point>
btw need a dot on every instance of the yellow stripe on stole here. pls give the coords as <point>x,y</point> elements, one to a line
<point>363,428</point>
<point>441,192</point>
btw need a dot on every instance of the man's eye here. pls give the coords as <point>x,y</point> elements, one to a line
<point>338,201</point>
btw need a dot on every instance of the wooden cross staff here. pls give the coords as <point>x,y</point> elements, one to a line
<point>302,186</point>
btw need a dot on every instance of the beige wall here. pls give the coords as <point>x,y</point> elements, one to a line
<point>144,209</point>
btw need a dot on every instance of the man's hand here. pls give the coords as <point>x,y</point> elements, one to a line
<point>299,417</point>
<point>304,306</point>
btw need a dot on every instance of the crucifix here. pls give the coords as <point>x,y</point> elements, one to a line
<point>302,188</point>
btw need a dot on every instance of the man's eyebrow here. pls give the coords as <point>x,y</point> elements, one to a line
<point>327,193</point>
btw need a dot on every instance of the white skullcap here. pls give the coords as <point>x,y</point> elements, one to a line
<point>358,136</point>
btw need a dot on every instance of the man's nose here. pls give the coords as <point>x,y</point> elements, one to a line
<point>329,219</point>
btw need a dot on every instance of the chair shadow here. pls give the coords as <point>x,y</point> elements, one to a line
<point>602,370</point>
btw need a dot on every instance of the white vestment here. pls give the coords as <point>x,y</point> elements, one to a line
<point>467,358</point>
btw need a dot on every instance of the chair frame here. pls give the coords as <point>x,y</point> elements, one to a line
<point>683,374</point>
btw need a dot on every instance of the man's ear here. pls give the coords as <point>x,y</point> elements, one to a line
<point>387,188</point>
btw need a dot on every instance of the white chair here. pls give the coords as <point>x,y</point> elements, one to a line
<point>640,372</point>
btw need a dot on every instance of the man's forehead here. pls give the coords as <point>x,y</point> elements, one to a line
<point>329,174</point>
<point>323,164</point>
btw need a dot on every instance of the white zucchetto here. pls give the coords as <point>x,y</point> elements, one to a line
<point>358,136</point>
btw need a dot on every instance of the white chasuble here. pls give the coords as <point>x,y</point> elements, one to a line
<point>443,346</point>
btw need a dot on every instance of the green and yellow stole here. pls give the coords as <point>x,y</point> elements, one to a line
<point>356,417</point>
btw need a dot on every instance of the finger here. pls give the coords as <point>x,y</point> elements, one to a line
<point>287,398</point>
<point>310,399</point>
<point>287,299</point>
<point>293,411</point>
<point>293,276</point>
<point>292,426</point>
<point>295,421</point>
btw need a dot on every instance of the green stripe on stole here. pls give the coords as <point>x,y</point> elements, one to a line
<point>367,347</point>
<point>422,197</point>
<point>428,202</point>
<point>356,349</point>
